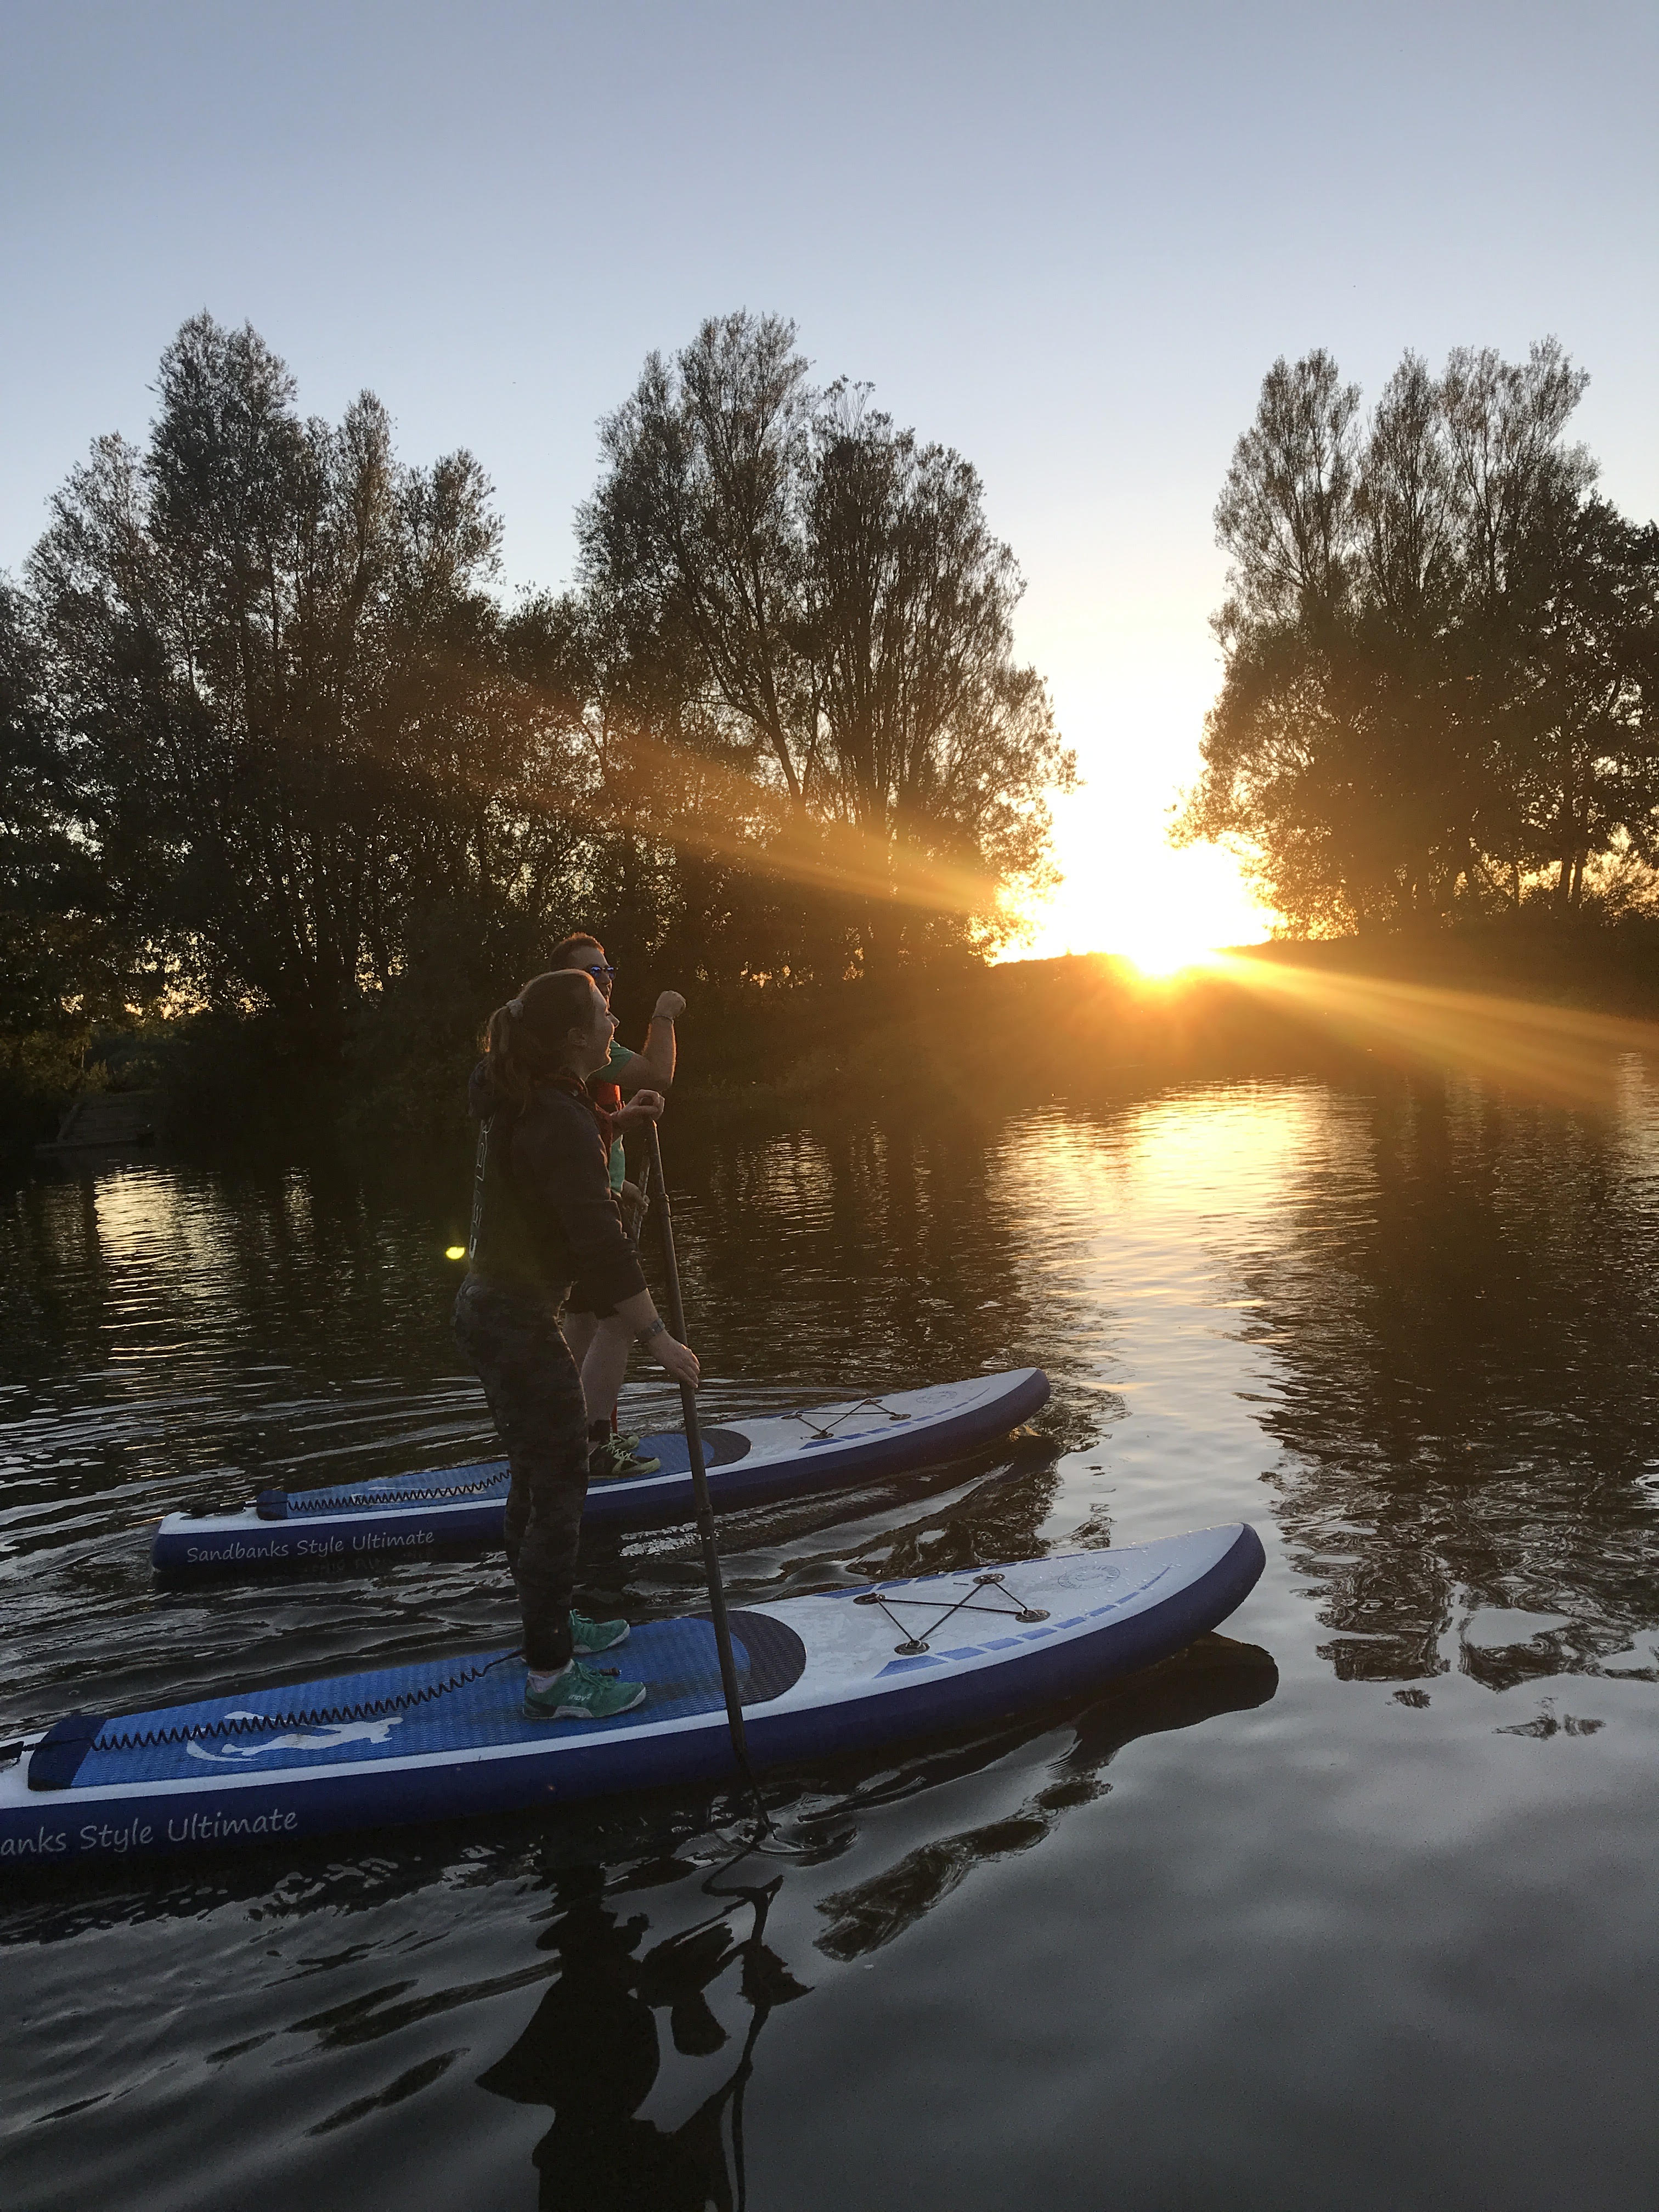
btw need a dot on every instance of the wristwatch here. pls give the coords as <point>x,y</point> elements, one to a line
<point>655,1328</point>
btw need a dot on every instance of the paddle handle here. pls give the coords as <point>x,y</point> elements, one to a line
<point>705,1511</point>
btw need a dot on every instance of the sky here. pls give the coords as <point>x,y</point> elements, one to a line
<point>1067,239</point>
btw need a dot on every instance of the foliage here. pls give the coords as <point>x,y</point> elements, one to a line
<point>279,761</point>
<point>284,680</point>
<point>1440,650</point>
<point>803,606</point>
<point>62,969</point>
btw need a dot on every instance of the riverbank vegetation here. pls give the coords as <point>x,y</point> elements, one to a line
<point>294,796</point>
<point>1440,652</point>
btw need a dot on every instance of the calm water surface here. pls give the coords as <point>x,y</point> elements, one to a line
<point>1353,1906</point>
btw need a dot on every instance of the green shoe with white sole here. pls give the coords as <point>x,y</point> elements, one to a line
<point>589,1637</point>
<point>581,1694</point>
<point>615,1459</point>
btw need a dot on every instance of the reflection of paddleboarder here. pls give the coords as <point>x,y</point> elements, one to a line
<point>592,2053</point>
<point>542,1214</point>
<point>592,2050</point>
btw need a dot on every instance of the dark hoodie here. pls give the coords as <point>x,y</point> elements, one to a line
<point>543,1215</point>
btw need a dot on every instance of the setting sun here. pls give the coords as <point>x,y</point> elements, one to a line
<point>1160,954</point>
<point>1124,890</point>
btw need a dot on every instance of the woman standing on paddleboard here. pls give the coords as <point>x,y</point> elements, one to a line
<point>542,1216</point>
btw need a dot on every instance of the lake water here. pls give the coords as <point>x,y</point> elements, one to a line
<point>1354,1905</point>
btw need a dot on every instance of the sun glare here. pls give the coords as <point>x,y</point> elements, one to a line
<point>1160,910</point>
<point>1162,955</point>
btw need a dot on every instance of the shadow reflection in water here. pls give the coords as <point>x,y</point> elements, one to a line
<point>1464,1313</point>
<point>365,1992</point>
<point>1213,1676</point>
<point>592,2050</point>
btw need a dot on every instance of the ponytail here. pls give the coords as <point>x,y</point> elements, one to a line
<point>523,1041</point>
<point>511,1068</point>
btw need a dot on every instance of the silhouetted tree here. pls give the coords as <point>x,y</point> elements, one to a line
<point>61,966</point>
<point>1580,737</point>
<point>803,595</point>
<point>273,740</point>
<point>1438,648</point>
<point>273,650</point>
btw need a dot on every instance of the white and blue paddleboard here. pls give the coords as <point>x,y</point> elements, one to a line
<point>448,1739</point>
<point>750,1462</point>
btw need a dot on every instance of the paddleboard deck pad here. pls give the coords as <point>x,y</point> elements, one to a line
<point>445,1740</point>
<point>750,1462</point>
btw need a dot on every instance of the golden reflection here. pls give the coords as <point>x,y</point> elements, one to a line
<point>148,1226</point>
<point>1563,1054</point>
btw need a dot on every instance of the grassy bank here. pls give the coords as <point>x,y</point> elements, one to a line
<point>1023,1032</point>
<point>1039,1029</point>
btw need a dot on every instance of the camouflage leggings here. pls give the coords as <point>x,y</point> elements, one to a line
<point>535,1398</point>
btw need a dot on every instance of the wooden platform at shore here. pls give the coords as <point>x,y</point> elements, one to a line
<point>103,1120</point>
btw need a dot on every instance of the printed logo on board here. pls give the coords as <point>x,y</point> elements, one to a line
<point>320,1739</point>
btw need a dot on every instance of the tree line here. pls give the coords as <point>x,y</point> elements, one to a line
<point>276,744</point>
<point>1441,653</point>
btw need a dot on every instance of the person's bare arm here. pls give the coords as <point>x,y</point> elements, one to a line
<point>640,1312</point>
<point>653,1068</point>
<point>557,1152</point>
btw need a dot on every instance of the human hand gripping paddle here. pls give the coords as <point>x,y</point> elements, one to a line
<point>705,1511</point>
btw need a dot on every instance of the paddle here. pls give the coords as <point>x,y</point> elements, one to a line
<point>705,1511</point>
<point>641,1209</point>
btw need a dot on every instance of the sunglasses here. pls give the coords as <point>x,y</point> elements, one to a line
<point>601,973</point>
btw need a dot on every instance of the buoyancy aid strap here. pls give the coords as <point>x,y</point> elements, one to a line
<point>480,1168</point>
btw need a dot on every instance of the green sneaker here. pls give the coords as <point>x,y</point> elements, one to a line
<point>591,1636</point>
<point>615,1459</point>
<point>581,1694</point>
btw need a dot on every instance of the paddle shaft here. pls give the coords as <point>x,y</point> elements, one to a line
<point>640,1212</point>
<point>705,1511</point>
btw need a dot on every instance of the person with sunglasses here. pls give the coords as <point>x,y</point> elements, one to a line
<point>600,1340</point>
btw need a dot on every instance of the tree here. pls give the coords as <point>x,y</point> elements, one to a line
<point>275,653</point>
<point>1432,641</point>
<point>811,601</point>
<point>1583,742</point>
<point>62,967</point>
<point>1286,512</point>
<point>281,748</point>
<point>692,541</point>
<point>929,740</point>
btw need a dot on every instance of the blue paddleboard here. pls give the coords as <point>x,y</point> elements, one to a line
<point>447,1739</point>
<point>750,1462</point>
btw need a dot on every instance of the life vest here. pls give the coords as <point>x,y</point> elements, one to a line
<point>606,1099</point>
